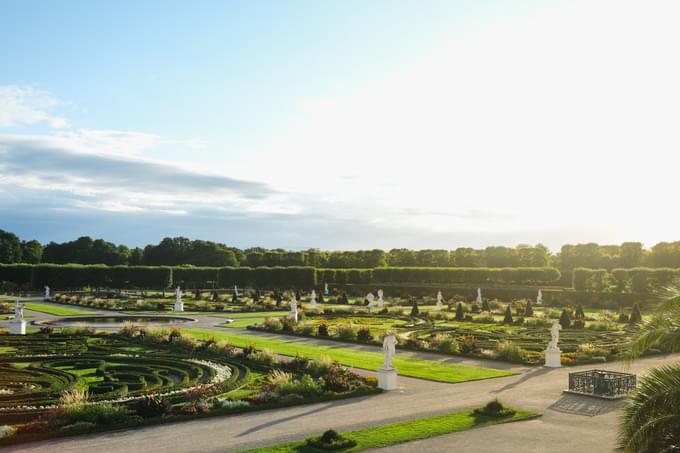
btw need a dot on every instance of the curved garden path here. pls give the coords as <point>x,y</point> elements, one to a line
<point>569,423</point>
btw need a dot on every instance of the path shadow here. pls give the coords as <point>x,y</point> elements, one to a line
<point>525,377</point>
<point>292,417</point>
<point>584,405</point>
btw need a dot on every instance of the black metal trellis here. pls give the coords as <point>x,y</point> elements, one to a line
<point>601,383</point>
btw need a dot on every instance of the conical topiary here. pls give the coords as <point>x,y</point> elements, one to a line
<point>635,315</point>
<point>460,313</point>
<point>528,310</point>
<point>508,316</point>
<point>565,319</point>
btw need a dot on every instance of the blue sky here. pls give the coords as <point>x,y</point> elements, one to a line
<point>343,125</point>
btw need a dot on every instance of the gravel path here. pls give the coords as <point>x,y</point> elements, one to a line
<point>569,423</point>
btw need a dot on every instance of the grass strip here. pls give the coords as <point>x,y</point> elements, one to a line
<point>56,311</point>
<point>407,366</point>
<point>396,433</point>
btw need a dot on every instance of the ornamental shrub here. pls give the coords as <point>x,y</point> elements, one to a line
<point>468,343</point>
<point>494,409</point>
<point>528,310</point>
<point>98,414</point>
<point>346,332</point>
<point>323,329</point>
<point>580,314</point>
<point>330,441</point>
<point>508,316</point>
<point>152,405</point>
<point>364,334</point>
<point>460,313</point>
<point>415,311</point>
<point>485,305</point>
<point>636,314</point>
<point>565,319</point>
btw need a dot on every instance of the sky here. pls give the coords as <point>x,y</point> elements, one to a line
<point>340,125</point>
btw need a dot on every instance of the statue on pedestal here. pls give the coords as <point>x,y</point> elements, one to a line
<point>440,299</point>
<point>381,302</point>
<point>554,336</point>
<point>325,288</point>
<point>293,309</point>
<point>479,296</point>
<point>179,305</point>
<point>19,311</point>
<point>370,298</point>
<point>539,298</point>
<point>47,293</point>
<point>389,349</point>
<point>312,299</point>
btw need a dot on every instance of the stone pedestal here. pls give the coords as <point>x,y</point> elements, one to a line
<point>17,327</point>
<point>552,358</point>
<point>387,379</point>
<point>179,306</point>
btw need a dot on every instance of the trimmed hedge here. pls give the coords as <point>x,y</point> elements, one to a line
<point>513,275</point>
<point>636,280</point>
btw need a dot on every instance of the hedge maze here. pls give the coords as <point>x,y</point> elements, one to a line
<point>36,369</point>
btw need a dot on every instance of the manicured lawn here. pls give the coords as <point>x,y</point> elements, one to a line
<point>396,433</point>
<point>418,368</point>
<point>57,311</point>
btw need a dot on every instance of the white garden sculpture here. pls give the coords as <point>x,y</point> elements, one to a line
<point>381,302</point>
<point>47,297</point>
<point>479,296</point>
<point>179,305</point>
<point>387,374</point>
<point>312,299</point>
<point>440,299</point>
<point>293,315</point>
<point>539,298</point>
<point>370,298</point>
<point>553,354</point>
<point>17,326</point>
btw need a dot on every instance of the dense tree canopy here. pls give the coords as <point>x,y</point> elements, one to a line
<point>183,251</point>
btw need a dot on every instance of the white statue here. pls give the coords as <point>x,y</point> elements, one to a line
<point>554,336</point>
<point>47,293</point>
<point>325,288</point>
<point>370,298</point>
<point>389,349</point>
<point>19,311</point>
<point>479,296</point>
<point>293,309</point>
<point>17,326</point>
<point>439,300</point>
<point>236,290</point>
<point>381,302</point>
<point>312,299</point>
<point>179,305</point>
<point>539,298</point>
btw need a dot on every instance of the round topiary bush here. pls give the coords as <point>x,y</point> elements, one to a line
<point>330,441</point>
<point>494,408</point>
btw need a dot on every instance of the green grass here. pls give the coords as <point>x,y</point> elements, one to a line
<point>412,367</point>
<point>57,311</point>
<point>396,433</point>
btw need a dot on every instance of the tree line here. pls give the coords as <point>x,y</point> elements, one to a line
<point>179,251</point>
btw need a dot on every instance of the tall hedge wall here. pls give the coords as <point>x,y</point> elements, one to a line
<point>640,280</point>
<point>72,276</point>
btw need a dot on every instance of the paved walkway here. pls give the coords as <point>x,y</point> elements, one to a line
<point>569,423</point>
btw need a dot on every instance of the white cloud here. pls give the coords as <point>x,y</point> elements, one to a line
<point>21,104</point>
